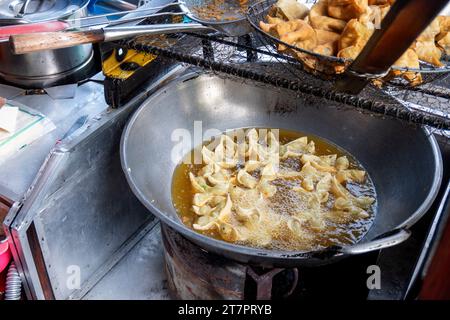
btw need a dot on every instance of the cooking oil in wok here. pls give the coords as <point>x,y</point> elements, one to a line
<point>285,200</point>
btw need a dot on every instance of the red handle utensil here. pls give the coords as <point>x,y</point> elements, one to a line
<point>7,31</point>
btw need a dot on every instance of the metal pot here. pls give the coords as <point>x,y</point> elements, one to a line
<point>42,69</point>
<point>404,161</point>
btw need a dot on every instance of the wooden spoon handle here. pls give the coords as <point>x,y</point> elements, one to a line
<point>32,42</point>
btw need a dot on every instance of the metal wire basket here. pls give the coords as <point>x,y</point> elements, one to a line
<point>332,66</point>
<point>249,58</point>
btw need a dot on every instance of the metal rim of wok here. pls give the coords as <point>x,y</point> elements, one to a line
<point>267,257</point>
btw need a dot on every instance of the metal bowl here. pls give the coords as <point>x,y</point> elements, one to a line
<point>404,161</point>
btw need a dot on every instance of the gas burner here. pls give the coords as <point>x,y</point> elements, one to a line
<point>193,273</point>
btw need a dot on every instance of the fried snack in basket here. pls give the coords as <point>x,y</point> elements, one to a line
<point>444,43</point>
<point>327,42</point>
<point>295,32</point>
<point>425,45</point>
<point>289,10</point>
<point>444,24</point>
<point>443,38</point>
<point>327,49</point>
<point>352,41</point>
<point>347,9</point>
<point>324,36</point>
<point>341,28</point>
<point>373,16</point>
<point>319,20</point>
<point>409,59</point>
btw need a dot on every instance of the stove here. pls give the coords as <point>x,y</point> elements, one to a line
<point>193,273</point>
<point>133,256</point>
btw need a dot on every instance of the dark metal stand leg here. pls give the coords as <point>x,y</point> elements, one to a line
<point>246,40</point>
<point>208,51</point>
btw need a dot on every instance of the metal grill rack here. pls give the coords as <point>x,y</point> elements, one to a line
<point>250,59</point>
<point>326,66</point>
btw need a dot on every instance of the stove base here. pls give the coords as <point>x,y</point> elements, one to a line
<point>193,273</point>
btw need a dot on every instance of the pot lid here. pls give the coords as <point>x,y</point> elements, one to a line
<point>25,11</point>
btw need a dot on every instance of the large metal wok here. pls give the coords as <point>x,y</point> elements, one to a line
<point>403,161</point>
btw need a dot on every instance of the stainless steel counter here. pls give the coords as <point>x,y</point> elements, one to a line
<point>73,207</point>
<point>19,171</point>
<point>138,276</point>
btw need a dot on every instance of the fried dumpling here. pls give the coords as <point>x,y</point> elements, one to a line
<point>409,59</point>
<point>444,23</point>
<point>246,180</point>
<point>325,36</point>
<point>327,42</point>
<point>298,33</point>
<point>209,169</point>
<point>225,214</point>
<point>206,210</point>
<point>308,171</point>
<point>443,38</point>
<point>444,43</point>
<point>373,16</point>
<point>260,202</point>
<point>297,148</point>
<point>228,232</point>
<point>428,52</point>
<point>325,164</point>
<point>200,199</point>
<point>352,41</point>
<point>354,207</point>
<point>346,205</point>
<point>253,165</point>
<point>355,35</point>
<point>425,46</point>
<point>342,163</point>
<point>351,175</point>
<point>289,10</point>
<point>347,9</point>
<point>269,172</point>
<point>247,214</point>
<point>266,188</point>
<point>272,142</point>
<point>297,224</point>
<point>220,177</point>
<point>208,156</point>
<point>220,189</point>
<point>323,187</point>
<point>198,183</point>
<point>319,19</point>
<point>244,197</point>
<point>326,49</point>
<point>347,214</point>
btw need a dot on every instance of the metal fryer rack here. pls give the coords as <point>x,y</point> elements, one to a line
<point>324,65</point>
<point>249,59</point>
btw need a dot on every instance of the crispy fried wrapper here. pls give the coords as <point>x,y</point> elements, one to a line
<point>319,19</point>
<point>341,28</point>
<point>443,38</point>
<point>289,10</point>
<point>347,9</point>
